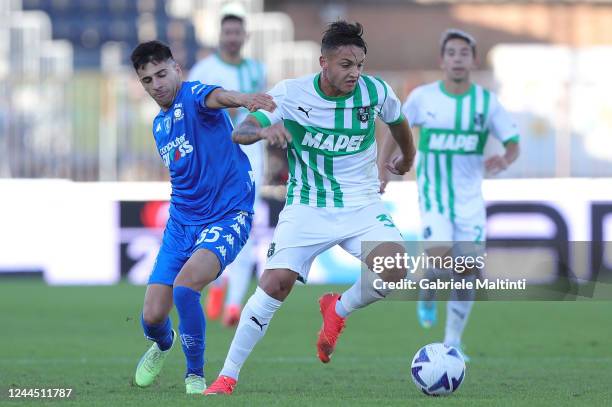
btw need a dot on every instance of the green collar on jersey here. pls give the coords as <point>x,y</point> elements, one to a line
<point>242,61</point>
<point>453,95</point>
<point>331,98</point>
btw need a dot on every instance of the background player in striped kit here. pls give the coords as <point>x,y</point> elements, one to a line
<point>228,69</point>
<point>328,121</point>
<point>454,117</point>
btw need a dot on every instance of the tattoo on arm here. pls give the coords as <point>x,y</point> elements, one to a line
<point>247,132</point>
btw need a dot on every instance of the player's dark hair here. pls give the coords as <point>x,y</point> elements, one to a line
<point>232,17</point>
<point>454,34</point>
<point>341,33</point>
<point>150,51</point>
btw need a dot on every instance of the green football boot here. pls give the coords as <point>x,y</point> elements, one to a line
<point>151,363</point>
<point>194,384</point>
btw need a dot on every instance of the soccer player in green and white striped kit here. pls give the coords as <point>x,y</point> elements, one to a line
<point>327,120</point>
<point>454,117</point>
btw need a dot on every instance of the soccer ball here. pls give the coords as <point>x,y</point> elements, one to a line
<point>438,369</point>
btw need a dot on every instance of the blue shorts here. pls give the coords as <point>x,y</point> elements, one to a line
<point>225,238</point>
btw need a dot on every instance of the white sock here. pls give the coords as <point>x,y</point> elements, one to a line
<point>253,325</point>
<point>219,282</point>
<point>458,310</point>
<point>360,294</point>
<point>457,313</point>
<point>340,310</point>
<point>239,275</point>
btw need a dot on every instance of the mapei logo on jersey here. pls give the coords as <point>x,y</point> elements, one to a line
<point>439,141</point>
<point>363,114</point>
<point>333,142</point>
<point>175,150</point>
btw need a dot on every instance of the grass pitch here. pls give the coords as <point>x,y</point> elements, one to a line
<point>89,339</point>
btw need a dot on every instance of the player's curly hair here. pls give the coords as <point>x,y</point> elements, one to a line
<point>341,33</point>
<point>150,51</point>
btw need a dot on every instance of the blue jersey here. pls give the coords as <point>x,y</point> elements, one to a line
<point>210,175</point>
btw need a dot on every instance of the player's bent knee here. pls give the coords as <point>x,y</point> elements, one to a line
<point>388,250</point>
<point>157,304</point>
<point>277,283</point>
<point>154,315</point>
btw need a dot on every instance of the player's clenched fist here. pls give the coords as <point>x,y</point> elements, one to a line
<point>495,164</point>
<point>399,165</point>
<point>276,135</point>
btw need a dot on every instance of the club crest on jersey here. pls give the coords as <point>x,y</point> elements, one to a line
<point>272,249</point>
<point>363,114</point>
<point>479,120</point>
<point>178,112</point>
<point>167,124</point>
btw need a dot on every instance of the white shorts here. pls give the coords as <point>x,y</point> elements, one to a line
<point>437,227</point>
<point>303,232</point>
<point>465,236</point>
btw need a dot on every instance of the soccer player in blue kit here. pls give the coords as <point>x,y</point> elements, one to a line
<point>211,206</point>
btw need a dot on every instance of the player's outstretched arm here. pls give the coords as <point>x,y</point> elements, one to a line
<point>250,131</point>
<point>400,164</point>
<point>221,98</point>
<point>498,163</point>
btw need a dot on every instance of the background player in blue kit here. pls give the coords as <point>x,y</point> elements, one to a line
<point>211,205</point>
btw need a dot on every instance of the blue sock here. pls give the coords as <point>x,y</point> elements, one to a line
<point>161,334</point>
<point>192,328</point>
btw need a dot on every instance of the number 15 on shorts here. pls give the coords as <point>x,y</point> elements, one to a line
<point>209,235</point>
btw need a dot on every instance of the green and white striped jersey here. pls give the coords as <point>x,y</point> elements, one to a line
<point>453,133</point>
<point>248,76</point>
<point>332,157</point>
